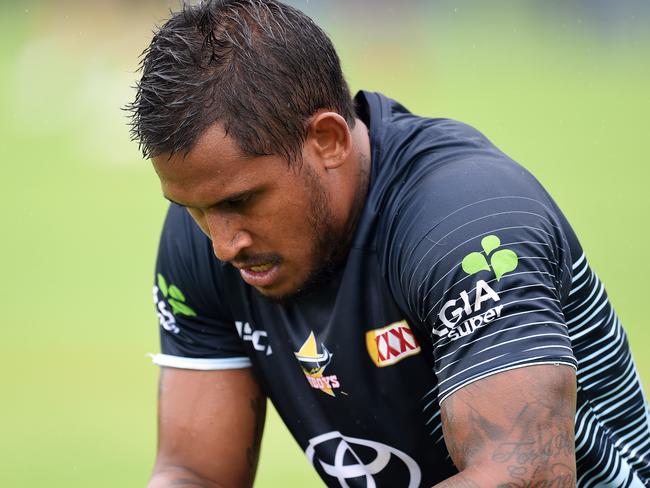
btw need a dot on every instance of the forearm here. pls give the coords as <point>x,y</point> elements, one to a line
<point>210,428</point>
<point>513,430</point>
<point>557,475</point>
<point>543,458</point>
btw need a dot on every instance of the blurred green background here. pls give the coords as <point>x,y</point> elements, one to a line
<point>563,87</point>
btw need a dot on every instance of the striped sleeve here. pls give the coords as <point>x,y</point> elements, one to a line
<point>487,277</point>
<point>612,422</point>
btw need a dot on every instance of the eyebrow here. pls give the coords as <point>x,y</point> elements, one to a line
<point>233,196</point>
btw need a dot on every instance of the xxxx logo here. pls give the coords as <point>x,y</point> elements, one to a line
<point>501,262</point>
<point>173,296</point>
<point>391,344</point>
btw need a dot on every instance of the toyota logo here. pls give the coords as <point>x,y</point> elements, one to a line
<point>337,457</point>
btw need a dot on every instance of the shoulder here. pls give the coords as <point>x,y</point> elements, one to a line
<point>443,180</point>
<point>435,164</point>
<point>456,176</point>
<point>185,256</point>
<point>395,131</point>
<point>453,196</point>
<point>192,300</point>
<point>183,240</point>
<point>180,232</point>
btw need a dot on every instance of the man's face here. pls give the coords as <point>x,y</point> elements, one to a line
<point>272,222</point>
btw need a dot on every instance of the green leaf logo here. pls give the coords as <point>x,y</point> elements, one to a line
<point>475,262</point>
<point>162,285</point>
<point>176,294</point>
<point>490,243</point>
<point>174,297</point>
<point>180,307</point>
<point>501,262</point>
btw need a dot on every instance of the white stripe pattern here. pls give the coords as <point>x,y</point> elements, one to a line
<point>612,429</point>
<point>557,312</point>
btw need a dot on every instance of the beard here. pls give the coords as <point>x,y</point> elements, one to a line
<point>328,244</point>
<point>331,245</point>
<point>328,250</point>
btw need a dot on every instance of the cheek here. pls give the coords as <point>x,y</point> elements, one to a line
<point>199,218</point>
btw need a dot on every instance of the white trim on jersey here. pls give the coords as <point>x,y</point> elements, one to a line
<point>527,362</point>
<point>201,364</point>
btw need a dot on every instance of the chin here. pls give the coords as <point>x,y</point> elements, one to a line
<point>315,281</point>
<point>282,298</point>
<point>280,293</point>
<point>287,292</point>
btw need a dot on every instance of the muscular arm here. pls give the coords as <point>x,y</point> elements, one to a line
<point>513,429</point>
<point>209,429</point>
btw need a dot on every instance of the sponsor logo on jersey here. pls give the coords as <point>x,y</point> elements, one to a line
<point>501,262</point>
<point>389,345</point>
<point>259,339</point>
<point>172,297</point>
<point>344,458</point>
<point>472,310</point>
<point>313,364</point>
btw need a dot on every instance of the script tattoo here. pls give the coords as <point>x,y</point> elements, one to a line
<point>561,476</point>
<point>534,451</point>
<point>528,459</point>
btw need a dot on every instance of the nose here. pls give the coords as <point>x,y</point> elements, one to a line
<point>227,235</point>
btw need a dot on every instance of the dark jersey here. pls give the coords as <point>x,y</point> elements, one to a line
<point>461,266</point>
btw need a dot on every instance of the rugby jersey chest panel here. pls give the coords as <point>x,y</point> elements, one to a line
<point>374,379</point>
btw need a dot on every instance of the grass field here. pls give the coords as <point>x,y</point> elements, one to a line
<point>81,212</point>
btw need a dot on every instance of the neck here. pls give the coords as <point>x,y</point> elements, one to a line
<point>361,164</point>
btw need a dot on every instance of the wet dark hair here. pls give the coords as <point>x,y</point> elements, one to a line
<point>259,67</point>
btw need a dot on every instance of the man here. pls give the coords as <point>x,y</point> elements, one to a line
<point>411,300</point>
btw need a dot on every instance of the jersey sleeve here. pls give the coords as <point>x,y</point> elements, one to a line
<point>196,331</point>
<point>483,266</point>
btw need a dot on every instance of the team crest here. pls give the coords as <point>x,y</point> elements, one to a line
<point>313,364</point>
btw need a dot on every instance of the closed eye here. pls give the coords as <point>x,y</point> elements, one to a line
<point>236,202</point>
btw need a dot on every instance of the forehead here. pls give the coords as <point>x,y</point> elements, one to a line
<point>212,153</point>
<point>214,168</point>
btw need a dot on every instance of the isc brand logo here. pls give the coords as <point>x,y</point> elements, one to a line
<point>258,338</point>
<point>391,344</point>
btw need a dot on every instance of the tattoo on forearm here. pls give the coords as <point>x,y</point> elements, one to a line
<point>562,476</point>
<point>534,451</point>
<point>528,459</point>
<point>527,444</point>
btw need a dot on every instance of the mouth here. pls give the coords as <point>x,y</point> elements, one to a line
<point>261,268</point>
<point>260,275</point>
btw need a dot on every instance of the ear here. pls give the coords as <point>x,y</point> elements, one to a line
<point>328,139</point>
